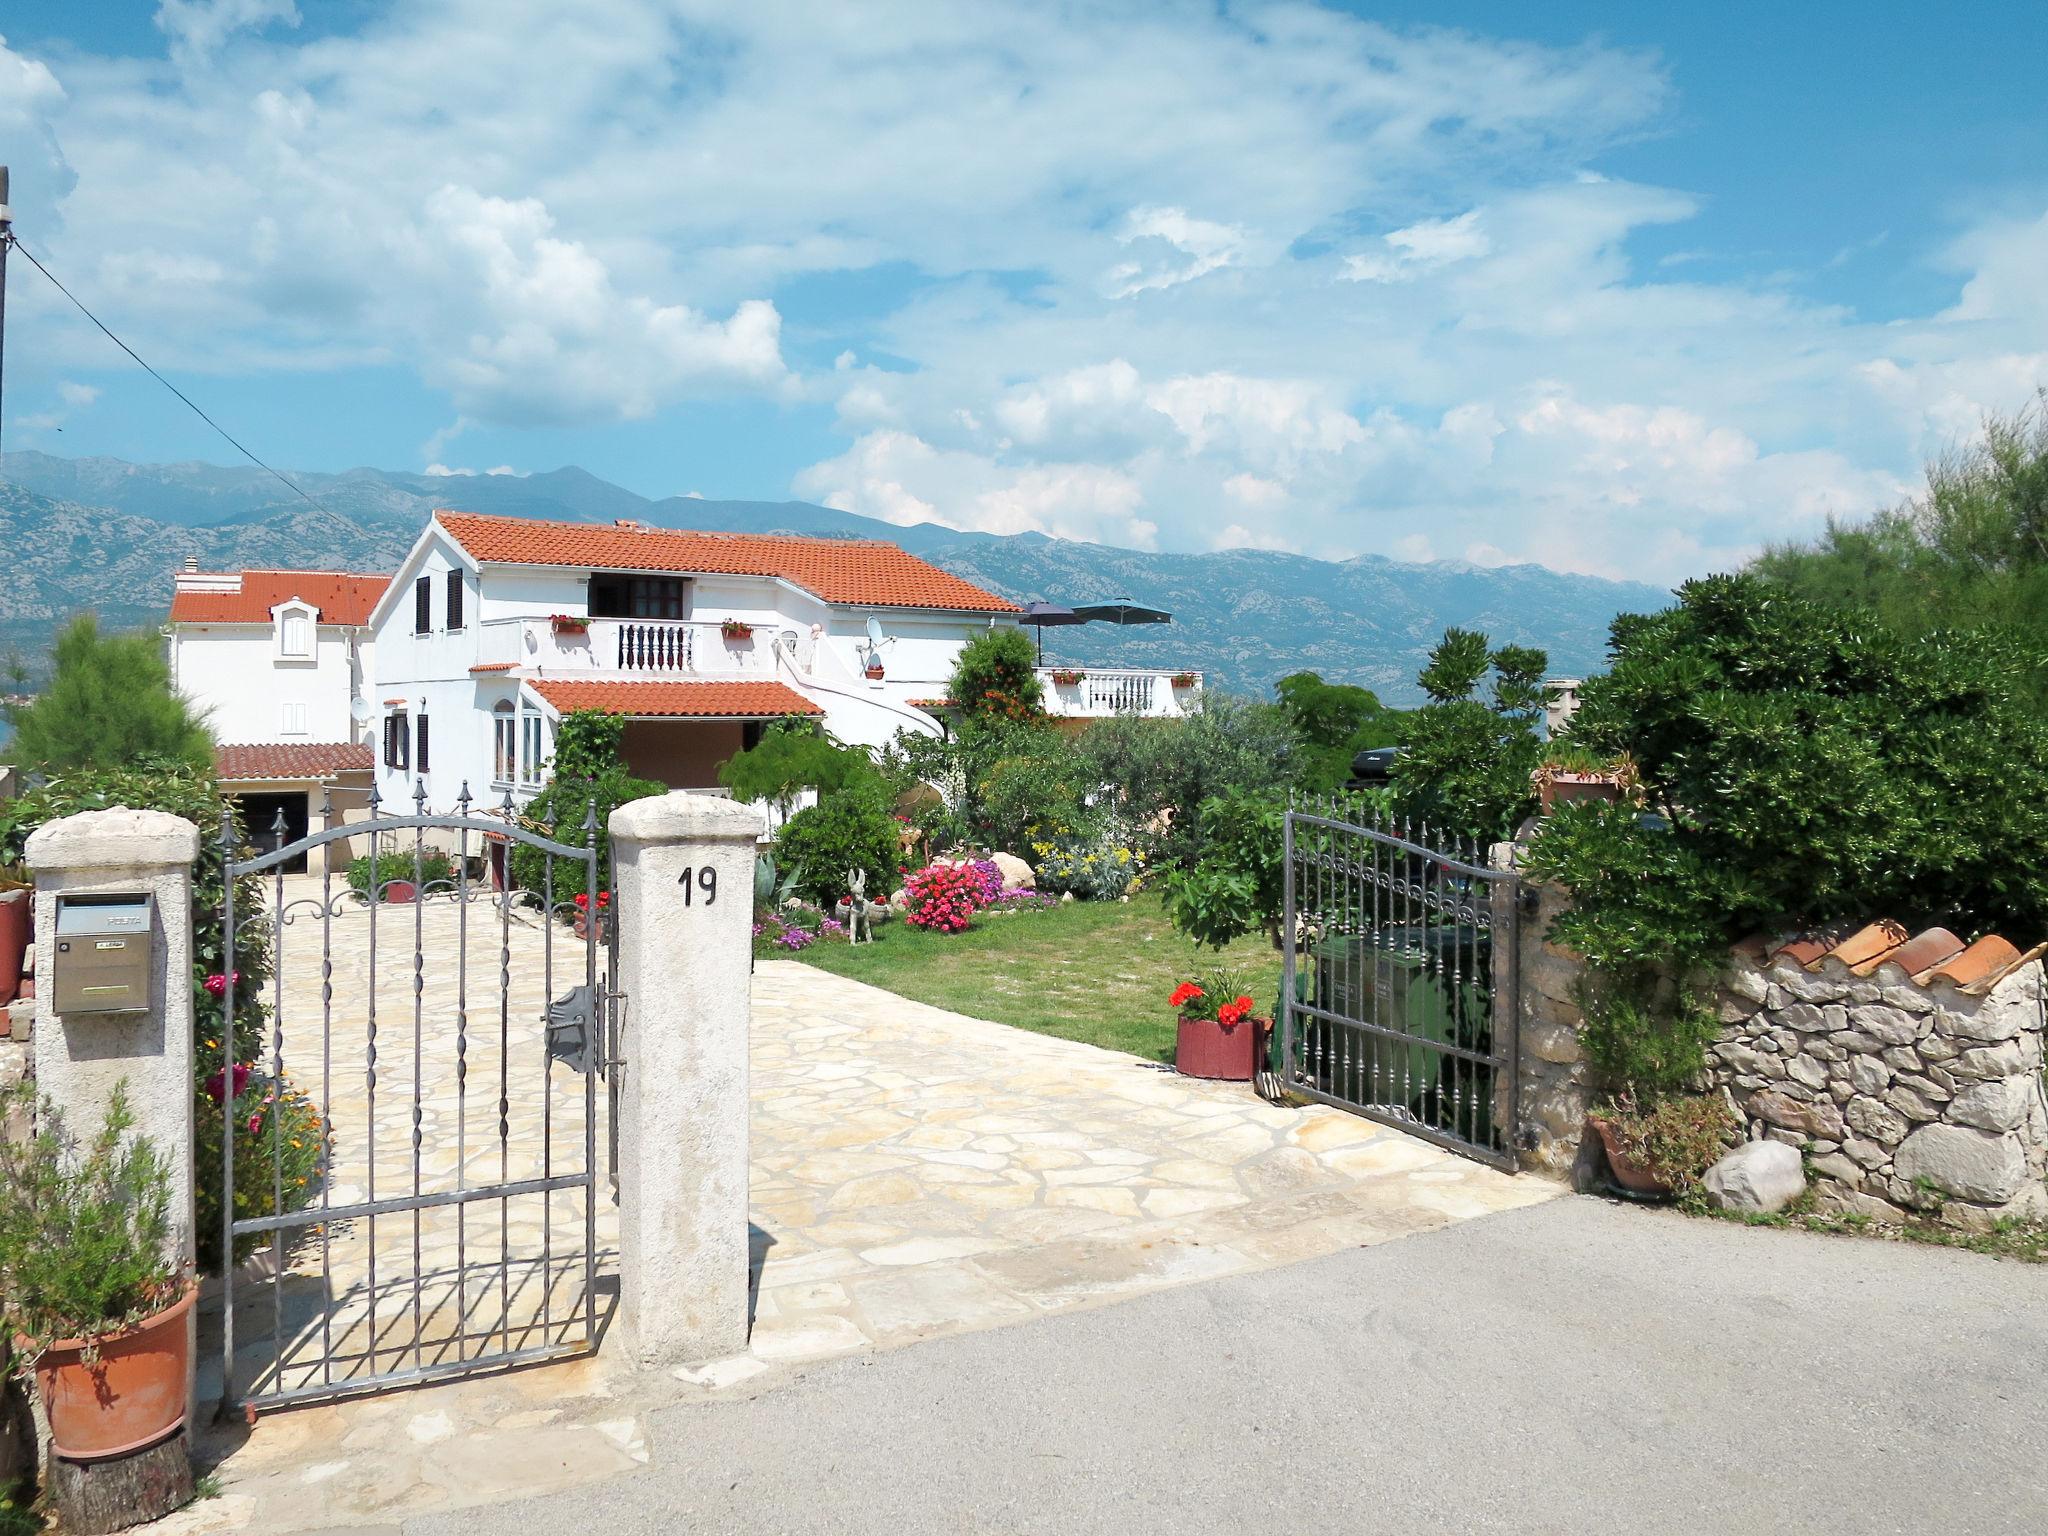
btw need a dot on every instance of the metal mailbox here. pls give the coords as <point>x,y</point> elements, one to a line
<point>105,949</point>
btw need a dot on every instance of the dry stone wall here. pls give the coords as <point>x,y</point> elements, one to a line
<point>1905,1098</point>
<point>17,1062</point>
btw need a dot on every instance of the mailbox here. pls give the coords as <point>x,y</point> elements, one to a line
<point>105,945</point>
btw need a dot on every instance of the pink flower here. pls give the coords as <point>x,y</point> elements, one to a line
<point>213,1083</point>
<point>217,983</point>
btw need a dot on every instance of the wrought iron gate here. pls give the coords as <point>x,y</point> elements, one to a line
<point>423,1199</point>
<point>1398,993</point>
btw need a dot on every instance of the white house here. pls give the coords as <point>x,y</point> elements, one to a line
<point>277,662</point>
<point>456,670</point>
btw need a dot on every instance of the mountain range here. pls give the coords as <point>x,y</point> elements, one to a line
<point>104,534</point>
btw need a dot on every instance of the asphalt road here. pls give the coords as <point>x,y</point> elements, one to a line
<point>1574,1367</point>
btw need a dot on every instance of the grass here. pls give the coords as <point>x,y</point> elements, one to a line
<point>2026,1242</point>
<point>1094,971</point>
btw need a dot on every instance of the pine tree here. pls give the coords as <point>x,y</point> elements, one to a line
<point>109,705</point>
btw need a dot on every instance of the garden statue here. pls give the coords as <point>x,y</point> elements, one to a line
<point>857,911</point>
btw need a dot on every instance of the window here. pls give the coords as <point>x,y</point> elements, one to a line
<point>419,744</point>
<point>529,749</point>
<point>291,719</point>
<point>423,605</point>
<point>504,744</point>
<point>294,635</point>
<point>638,597</point>
<point>455,599</point>
<point>396,741</point>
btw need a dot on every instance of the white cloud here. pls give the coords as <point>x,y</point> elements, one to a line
<point>1159,274</point>
<point>76,395</point>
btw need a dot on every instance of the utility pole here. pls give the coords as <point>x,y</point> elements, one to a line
<point>6,239</point>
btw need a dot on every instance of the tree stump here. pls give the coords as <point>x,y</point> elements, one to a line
<point>93,1498</point>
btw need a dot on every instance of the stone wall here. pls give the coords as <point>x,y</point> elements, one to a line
<point>1904,1097</point>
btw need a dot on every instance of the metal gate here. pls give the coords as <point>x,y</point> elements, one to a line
<point>420,1106</point>
<point>1398,993</point>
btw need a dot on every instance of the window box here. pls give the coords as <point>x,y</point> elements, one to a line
<point>1066,677</point>
<point>568,624</point>
<point>1185,679</point>
<point>736,629</point>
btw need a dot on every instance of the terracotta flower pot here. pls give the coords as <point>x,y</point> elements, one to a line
<point>1627,1172</point>
<point>17,923</point>
<point>1565,788</point>
<point>1205,1048</point>
<point>400,893</point>
<point>130,1398</point>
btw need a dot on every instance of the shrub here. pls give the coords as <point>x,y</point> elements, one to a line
<point>849,830</point>
<point>1033,792</point>
<point>1159,771</point>
<point>1336,722</point>
<point>434,865</point>
<point>279,1140</point>
<point>995,679</point>
<point>586,773</point>
<point>1809,764</point>
<point>792,756</point>
<point>1466,762</point>
<point>1101,867</point>
<point>790,929</point>
<point>1236,886</point>
<point>945,897</point>
<point>85,1228</point>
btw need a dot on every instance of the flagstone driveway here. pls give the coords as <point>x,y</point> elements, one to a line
<point>915,1173</point>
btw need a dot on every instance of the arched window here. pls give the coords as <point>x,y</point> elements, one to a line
<point>504,743</point>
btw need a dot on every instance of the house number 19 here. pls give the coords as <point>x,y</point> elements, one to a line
<point>695,880</point>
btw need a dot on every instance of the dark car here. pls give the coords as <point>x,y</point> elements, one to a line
<point>1372,769</point>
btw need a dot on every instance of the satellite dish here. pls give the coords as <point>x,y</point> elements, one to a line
<point>359,710</point>
<point>874,631</point>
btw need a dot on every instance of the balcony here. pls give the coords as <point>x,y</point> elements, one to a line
<point>650,648</point>
<point>1098,692</point>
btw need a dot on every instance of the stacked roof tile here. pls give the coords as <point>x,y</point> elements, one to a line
<point>863,571</point>
<point>343,597</point>
<point>1892,952</point>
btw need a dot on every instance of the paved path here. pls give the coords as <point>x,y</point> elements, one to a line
<point>916,1173</point>
<point>1573,1367</point>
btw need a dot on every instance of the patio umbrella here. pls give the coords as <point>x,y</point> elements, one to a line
<point>1121,611</point>
<point>1040,616</point>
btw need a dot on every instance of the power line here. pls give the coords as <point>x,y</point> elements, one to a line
<point>167,384</point>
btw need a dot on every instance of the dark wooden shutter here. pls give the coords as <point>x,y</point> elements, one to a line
<point>391,741</point>
<point>420,732</point>
<point>423,605</point>
<point>455,599</point>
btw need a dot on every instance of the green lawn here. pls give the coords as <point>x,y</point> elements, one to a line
<point>1097,971</point>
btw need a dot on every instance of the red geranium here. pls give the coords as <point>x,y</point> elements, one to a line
<point>1233,1010</point>
<point>1182,993</point>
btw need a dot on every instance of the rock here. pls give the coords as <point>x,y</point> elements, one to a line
<point>1877,1121</point>
<point>1805,1069</point>
<point>1856,1043</point>
<point>1822,1121</point>
<point>1736,1010</point>
<point>1893,1026</point>
<point>1840,1168</point>
<point>1804,1017</point>
<point>1758,1177</point>
<point>1840,1091</point>
<point>1868,1153</point>
<point>1938,1048</point>
<point>1869,1075</point>
<point>1994,1020</point>
<point>1960,1161</point>
<point>1825,1050</point>
<point>1910,1104</point>
<point>1734,1054</point>
<point>1932,1089</point>
<point>1017,875</point>
<point>1554,1043</point>
<point>1902,1058</point>
<point>900,899</point>
<point>1993,1106</point>
<point>1065,897</point>
<point>1747,984</point>
<point>1808,988</point>
<point>1910,999</point>
<point>1989,1061</point>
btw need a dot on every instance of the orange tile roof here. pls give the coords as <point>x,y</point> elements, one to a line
<point>494,666</point>
<point>342,597</point>
<point>236,762</point>
<point>1932,955</point>
<point>839,570</point>
<point>727,701</point>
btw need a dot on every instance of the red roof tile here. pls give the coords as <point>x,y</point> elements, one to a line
<point>289,760</point>
<point>341,596</point>
<point>728,701</point>
<point>1868,945</point>
<point>838,570</point>
<point>1933,955</point>
<point>1990,957</point>
<point>494,666</point>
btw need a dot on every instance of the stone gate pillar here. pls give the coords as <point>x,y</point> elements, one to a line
<point>81,1057</point>
<point>683,874</point>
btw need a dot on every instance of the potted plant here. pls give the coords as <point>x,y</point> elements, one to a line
<point>89,1291</point>
<point>736,629</point>
<point>874,669</point>
<point>1216,1037</point>
<point>1185,679</point>
<point>1570,773</point>
<point>568,623</point>
<point>1665,1147</point>
<point>17,927</point>
<point>1067,677</point>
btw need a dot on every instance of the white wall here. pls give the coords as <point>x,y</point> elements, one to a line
<point>233,674</point>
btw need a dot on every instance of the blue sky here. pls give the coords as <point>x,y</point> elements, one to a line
<point>1625,289</point>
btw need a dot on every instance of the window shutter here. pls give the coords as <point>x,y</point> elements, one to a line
<point>423,605</point>
<point>420,731</point>
<point>391,741</point>
<point>455,599</point>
